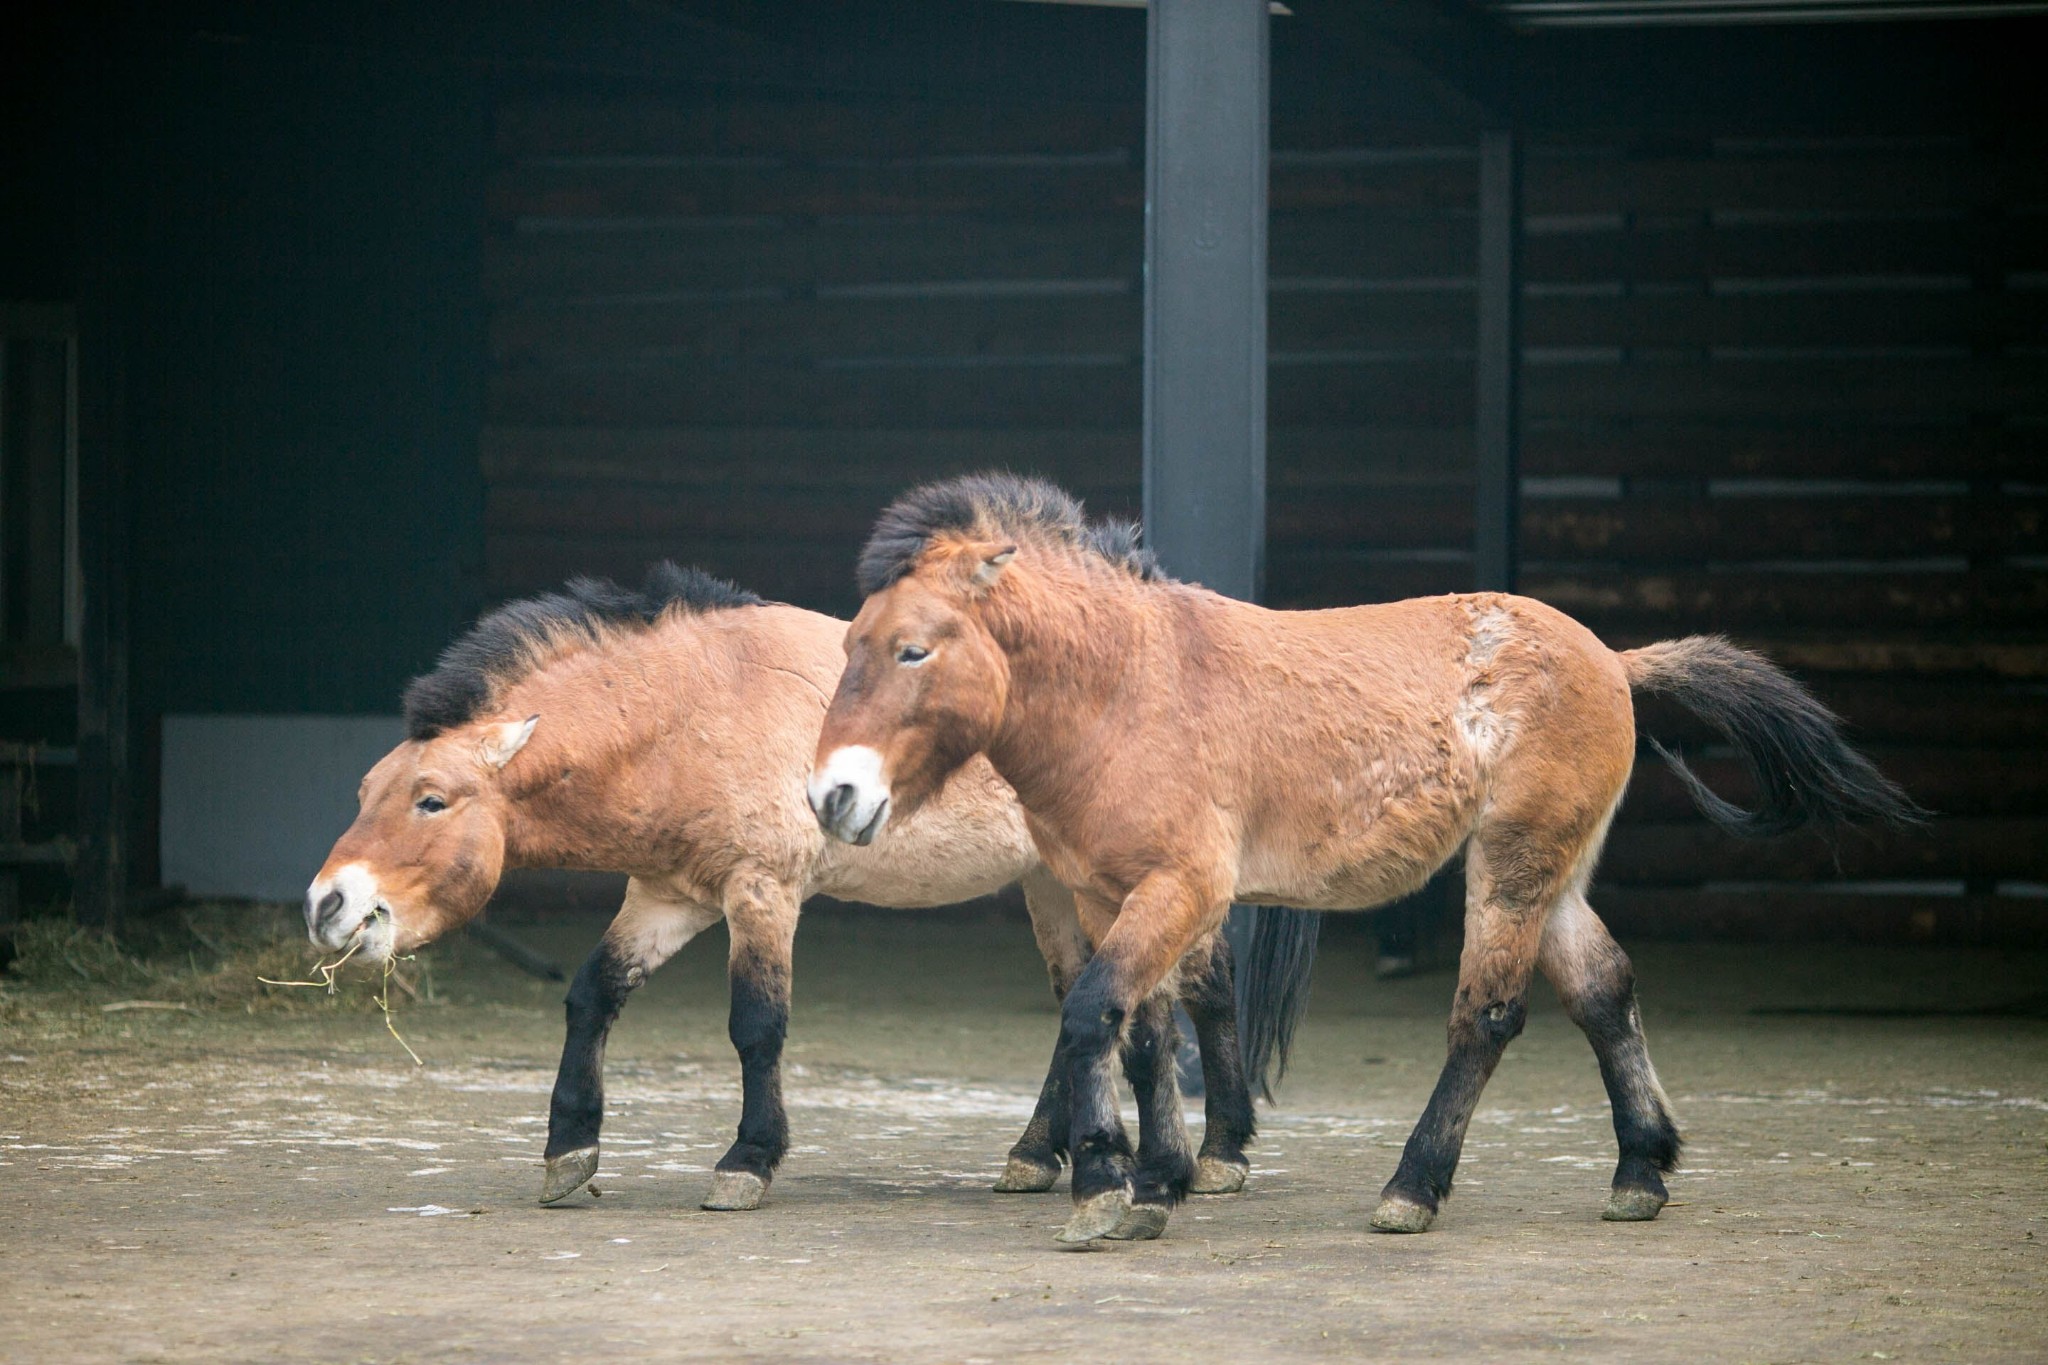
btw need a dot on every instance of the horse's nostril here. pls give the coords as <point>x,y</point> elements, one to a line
<point>836,803</point>
<point>329,905</point>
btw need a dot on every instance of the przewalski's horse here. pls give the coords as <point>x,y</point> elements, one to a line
<point>666,734</point>
<point>1175,750</point>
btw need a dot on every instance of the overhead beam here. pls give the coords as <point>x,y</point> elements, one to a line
<point>1205,291</point>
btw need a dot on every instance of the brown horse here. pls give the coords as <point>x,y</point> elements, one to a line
<point>1175,750</point>
<point>666,734</point>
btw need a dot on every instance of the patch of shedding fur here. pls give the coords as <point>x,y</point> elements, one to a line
<point>1482,726</point>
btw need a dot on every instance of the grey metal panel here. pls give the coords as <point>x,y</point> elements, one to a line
<point>1205,291</point>
<point>252,804</point>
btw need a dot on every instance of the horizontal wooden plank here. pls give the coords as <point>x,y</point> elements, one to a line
<point>1826,181</point>
<point>1981,848</point>
<point>816,127</point>
<point>1418,392</point>
<point>1961,714</point>
<point>1788,390</point>
<point>2005,781</point>
<point>707,457</point>
<point>1668,252</point>
<point>545,259</point>
<point>643,189</point>
<point>1784,450</point>
<point>744,507</point>
<point>1818,916</point>
<point>1026,187</point>
<point>803,254</point>
<point>1753,600</point>
<point>823,126</point>
<point>1981,319</point>
<point>950,325</point>
<point>1646,531</point>
<point>1909,654</point>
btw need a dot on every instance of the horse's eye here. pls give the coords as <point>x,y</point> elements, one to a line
<point>430,805</point>
<point>912,655</point>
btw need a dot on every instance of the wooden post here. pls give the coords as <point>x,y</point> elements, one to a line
<point>1497,417</point>
<point>100,884</point>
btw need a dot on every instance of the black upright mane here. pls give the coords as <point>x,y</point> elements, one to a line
<point>503,645</point>
<point>994,503</point>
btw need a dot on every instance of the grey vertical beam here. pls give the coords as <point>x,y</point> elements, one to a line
<point>1205,291</point>
<point>1497,417</point>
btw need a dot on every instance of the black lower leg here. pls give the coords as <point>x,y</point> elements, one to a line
<point>1044,1142</point>
<point>1211,1003</point>
<point>758,1025</point>
<point>1090,1026</point>
<point>1429,1161</point>
<point>598,993</point>
<point>1164,1163</point>
<point>1643,1127</point>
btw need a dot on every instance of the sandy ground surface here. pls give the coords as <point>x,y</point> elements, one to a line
<point>237,1187</point>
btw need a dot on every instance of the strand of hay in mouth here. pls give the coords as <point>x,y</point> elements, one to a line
<point>327,971</point>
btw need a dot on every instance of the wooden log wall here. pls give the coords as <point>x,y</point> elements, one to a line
<point>1793,392</point>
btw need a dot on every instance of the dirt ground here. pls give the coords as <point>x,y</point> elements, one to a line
<point>1865,1183</point>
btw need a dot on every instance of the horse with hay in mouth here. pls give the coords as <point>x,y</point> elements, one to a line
<point>666,733</point>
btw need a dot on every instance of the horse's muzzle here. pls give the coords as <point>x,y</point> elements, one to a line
<point>848,796</point>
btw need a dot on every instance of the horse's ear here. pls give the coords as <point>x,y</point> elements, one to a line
<point>991,568</point>
<point>502,741</point>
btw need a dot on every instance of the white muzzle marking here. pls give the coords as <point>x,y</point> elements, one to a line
<point>344,909</point>
<point>849,796</point>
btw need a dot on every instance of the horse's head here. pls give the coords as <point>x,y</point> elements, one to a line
<point>923,691</point>
<point>427,846</point>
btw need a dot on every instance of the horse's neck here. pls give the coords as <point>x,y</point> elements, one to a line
<point>1081,651</point>
<point>573,806</point>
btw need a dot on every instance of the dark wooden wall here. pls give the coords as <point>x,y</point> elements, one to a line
<point>1792,391</point>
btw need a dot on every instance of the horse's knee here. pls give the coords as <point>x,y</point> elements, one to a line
<point>1487,1021</point>
<point>1091,1021</point>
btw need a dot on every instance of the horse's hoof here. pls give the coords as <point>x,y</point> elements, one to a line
<point>1096,1216</point>
<point>1396,1214</point>
<point>735,1192</point>
<point>567,1174</point>
<point>1022,1176</point>
<point>1633,1206</point>
<point>1143,1223</point>
<point>1213,1175</point>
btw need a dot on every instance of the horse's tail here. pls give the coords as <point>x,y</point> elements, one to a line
<point>1790,743</point>
<point>1272,988</point>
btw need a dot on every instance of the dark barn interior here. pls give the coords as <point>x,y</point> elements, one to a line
<point>326,328</point>
<point>380,317</point>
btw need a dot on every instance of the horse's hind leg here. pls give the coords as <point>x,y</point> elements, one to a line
<point>1511,879</point>
<point>1035,1159</point>
<point>1598,987</point>
<point>648,930</point>
<point>761,915</point>
<point>1209,992</point>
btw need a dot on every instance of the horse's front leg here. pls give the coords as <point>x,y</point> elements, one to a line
<point>761,916</point>
<point>648,930</point>
<point>1137,947</point>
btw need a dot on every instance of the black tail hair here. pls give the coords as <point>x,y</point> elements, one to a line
<point>1272,987</point>
<point>1791,744</point>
